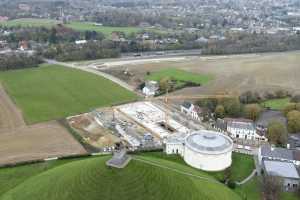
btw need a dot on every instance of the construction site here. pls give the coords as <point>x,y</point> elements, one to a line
<point>138,125</point>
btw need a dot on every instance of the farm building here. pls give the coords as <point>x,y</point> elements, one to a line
<point>191,110</point>
<point>205,150</point>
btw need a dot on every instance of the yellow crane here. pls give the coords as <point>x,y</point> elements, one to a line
<point>166,99</point>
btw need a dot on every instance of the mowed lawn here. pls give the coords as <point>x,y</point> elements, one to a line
<point>54,92</point>
<point>180,76</point>
<point>91,179</point>
<point>276,104</point>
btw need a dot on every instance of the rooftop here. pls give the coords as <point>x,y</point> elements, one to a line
<point>268,151</point>
<point>282,169</point>
<point>209,142</point>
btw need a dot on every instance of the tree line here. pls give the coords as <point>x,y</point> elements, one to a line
<point>18,61</point>
<point>74,52</point>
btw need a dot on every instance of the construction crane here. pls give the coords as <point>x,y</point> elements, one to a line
<point>166,99</point>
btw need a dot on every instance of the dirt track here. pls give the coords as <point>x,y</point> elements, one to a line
<point>10,116</point>
<point>19,142</point>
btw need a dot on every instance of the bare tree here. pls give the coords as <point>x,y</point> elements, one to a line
<point>272,187</point>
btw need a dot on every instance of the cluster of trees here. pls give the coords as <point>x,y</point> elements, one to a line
<point>73,52</point>
<point>249,97</point>
<point>292,112</point>
<point>277,133</point>
<point>231,107</point>
<point>222,107</point>
<point>18,61</point>
<point>57,34</point>
<point>254,43</point>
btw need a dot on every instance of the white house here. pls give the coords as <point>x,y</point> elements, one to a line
<point>151,88</point>
<point>80,42</point>
<point>244,129</point>
<point>191,110</point>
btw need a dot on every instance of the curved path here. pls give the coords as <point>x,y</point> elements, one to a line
<point>176,170</point>
<point>248,178</point>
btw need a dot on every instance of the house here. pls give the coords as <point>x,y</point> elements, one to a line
<point>80,42</point>
<point>244,129</point>
<point>284,170</point>
<point>191,110</point>
<point>268,152</point>
<point>23,45</point>
<point>150,88</point>
<point>268,116</point>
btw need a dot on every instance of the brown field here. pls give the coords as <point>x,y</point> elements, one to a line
<point>19,142</point>
<point>233,74</point>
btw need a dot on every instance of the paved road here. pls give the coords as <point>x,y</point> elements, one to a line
<point>94,71</point>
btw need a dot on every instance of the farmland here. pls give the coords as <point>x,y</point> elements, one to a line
<point>91,179</point>
<point>78,26</point>
<point>54,92</point>
<point>232,73</point>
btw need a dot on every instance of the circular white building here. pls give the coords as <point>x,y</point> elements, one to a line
<point>208,150</point>
<point>205,150</point>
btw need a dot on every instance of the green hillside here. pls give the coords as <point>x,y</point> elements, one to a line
<point>91,179</point>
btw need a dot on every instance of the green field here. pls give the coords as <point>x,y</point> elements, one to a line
<point>180,76</point>
<point>106,30</point>
<point>54,92</point>
<point>91,179</point>
<point>276,104</point>
<point>78,26</point>
<point>30,22</point>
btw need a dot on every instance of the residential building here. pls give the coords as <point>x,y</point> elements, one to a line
<point>284,170</point>
<point>150,88</point>
<point>191,110</point>
<point>243,129</point>
<point>268,152</point>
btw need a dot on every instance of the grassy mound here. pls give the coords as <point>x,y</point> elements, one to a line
<point>53,92</point>
<point>91,179</point>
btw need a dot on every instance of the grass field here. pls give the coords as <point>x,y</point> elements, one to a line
<point>78,26</point>
<point>106,30</point>
<point>276,104</point>
<point>53,92</point>
<point>91,179</point>
<point>251,190</point>
<point>30,22</point>
<point>180,76</point>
